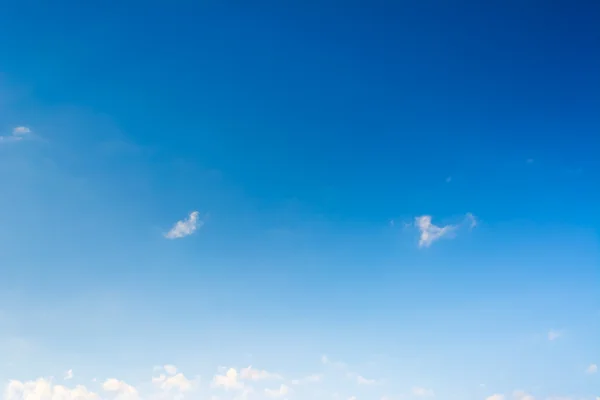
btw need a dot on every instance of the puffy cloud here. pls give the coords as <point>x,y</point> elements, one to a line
<point>592,369</point>
<point>228,381</point>
<point>69,375</point>
<point>257,374</point>
<point>422,392</point>
<point>280,392</point>
<point>185,227</point>
<point>122,389</point>
<point>495,397</point>
<point>178,382</point>
<point>44,389</point>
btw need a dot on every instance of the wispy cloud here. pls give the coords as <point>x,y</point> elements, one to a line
<point>337,364</point>
<point>257,374</point>
<point>422,392</point>
<point>185,227</point>
<point>592,369</point>
<point>495,397</point>
<point>69,375</point>
<point>361,380</point>
<point>429,232</point>
<point>309,379</point>
<point>18,133</point>
<point>554,334</point>
<point>280,392</point>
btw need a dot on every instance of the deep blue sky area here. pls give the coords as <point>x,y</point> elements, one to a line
<point>410,187</point>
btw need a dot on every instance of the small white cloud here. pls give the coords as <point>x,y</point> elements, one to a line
<point>495,397</point>
<point>280,392</point>
<point>364,381</point>
<point>592,369</point>
<point>185,227</point>
<point>522,395</point>
<point>176,381</point>
<point>17,134</point>
<point>257,374</point>
<point>336,364</point>
<point>69,375</point>
<point>422,392</point>
<point>429,232</point>
<point>553,335</point>
<point>309,379</point>
<point>228,381</point>
<point>21,130</point>
<point>471,220</point>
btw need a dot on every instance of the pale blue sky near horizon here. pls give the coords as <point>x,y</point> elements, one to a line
<point>308,139</point>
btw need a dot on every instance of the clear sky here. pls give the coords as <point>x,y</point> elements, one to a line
<point>376,200</point>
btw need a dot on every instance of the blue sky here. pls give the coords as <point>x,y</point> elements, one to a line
<point>360,200</point>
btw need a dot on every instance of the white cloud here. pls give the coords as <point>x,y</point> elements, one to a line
<point>280,392</point>
<point>178,382</point>
<point>21,130</point>
<point>309,379</point>
<point>592,369</point>
<point>495,397</point>
<point>364,381</point>
<point>228,381</point>
<point>429,232</point>
<point>69,375</point>
<point>422,392</point>
<point>185,227</point>
<point>17,134</point>
<point>170,369</point>
<point>122,389</point>
<point>553,335</point>
<point>337,364</point>
<point>257,374</point>
<point>522,395</point>
<point>44,389</point>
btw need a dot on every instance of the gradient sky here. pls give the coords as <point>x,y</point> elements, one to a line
<point>376,200</point>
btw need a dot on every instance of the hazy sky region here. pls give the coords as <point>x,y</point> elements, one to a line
<point>229,200</point>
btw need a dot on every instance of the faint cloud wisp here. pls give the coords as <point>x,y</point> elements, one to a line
<point>17,134</point>
<point>429,232</point>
